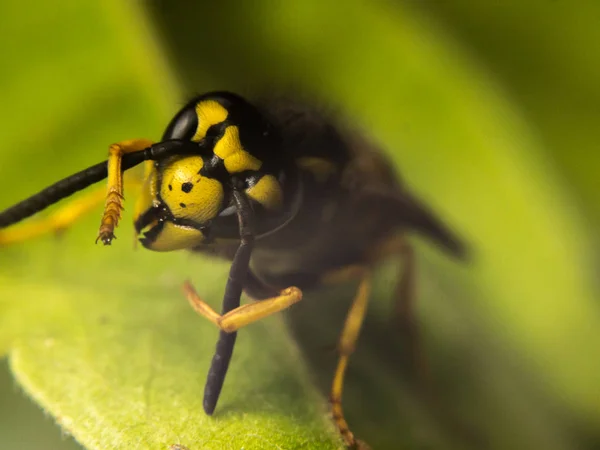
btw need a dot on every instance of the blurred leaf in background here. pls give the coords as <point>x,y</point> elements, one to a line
<point>489,113</point>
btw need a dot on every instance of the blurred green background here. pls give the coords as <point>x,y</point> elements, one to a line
<point>490,110</point>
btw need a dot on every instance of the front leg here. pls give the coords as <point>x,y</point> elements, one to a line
<point>245,314</point>
<point>114,195</point>
<point>229,321</point>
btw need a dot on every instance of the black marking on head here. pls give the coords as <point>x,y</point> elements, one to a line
<point>151,235</point>
<point>215,168</point>
<point>187,187</point>
<point>183,205</point>
<point>170,187</point>
<point>146,218</point>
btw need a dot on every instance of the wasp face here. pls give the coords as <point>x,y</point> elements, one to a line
<point>189,195</point>
<point>179,204</point>
<point>184,195</point>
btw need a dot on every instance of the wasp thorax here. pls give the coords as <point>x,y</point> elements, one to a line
<point>189,195</point>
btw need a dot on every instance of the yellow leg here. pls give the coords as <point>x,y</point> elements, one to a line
<point>114,195</point>
<point>56,222</point>
<point>348,338</point>
<point>405,294</point>
<point>245,314</point>
<point>59,220</point>
<point>343,275</point>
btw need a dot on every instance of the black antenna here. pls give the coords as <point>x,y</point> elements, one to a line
<point>87,177</point>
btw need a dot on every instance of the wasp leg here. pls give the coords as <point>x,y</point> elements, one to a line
<point>348,338</point>
<point>59,220</point>
<point>56,222</point>
<point>229,323</point>
<point>245,314</point>
<point>345,274</point>
<point>114,195</point>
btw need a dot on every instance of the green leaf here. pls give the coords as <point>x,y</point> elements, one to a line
<point>103,339</point>
<point>554,77</point>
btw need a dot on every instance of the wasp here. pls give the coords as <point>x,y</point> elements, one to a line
<point>292,198</point>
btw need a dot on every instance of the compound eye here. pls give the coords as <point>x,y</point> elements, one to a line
<point>183,126</point>
<point>187,194</point>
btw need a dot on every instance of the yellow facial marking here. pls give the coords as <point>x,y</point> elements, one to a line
<point>267,192</point>
<point>230,150</point>
<point>176,237</point>
<point>321,168</point>
<point>188,194</point>
<point>148,193</point>
<point>210,112</point>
